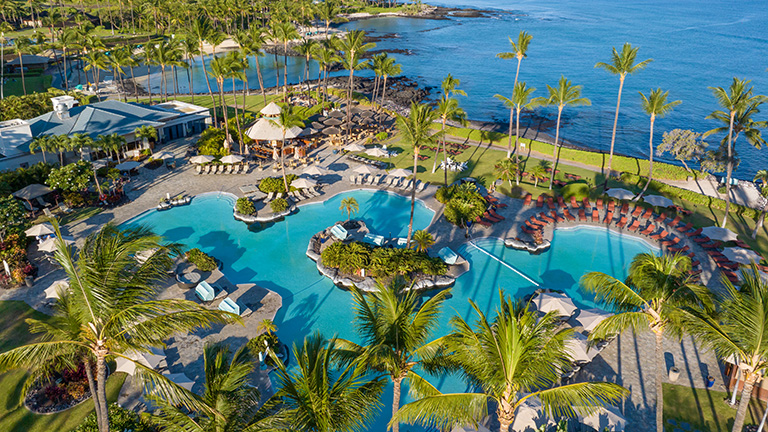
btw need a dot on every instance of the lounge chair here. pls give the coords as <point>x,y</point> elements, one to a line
<point>407,185</point>
<point>376,179</point>
<point>694,233</point>
<point>568,215</point>
<point>648,213</point>
<point>624,208</point>
<point>675,221</point>
<point>608,217</point>
<point>540,201</point>
<point>199,169</point>
<point>660,218</point>
<point>482,222</point>
<point>229,305</point>
<point>546,218</point>
<point>488,217</point>
<point>245,169</point>
<point>557,217</point>
<point>560,201</point>
<point>648,230</point>
<point>236,169</point>
<point>422,186</point>
<point>595,215</point>
<point>574,203</point>
<point>496,215</point>
<point>587,203</point>
<point>599,203</point>
<point>339,232</point>
<point>269,197</point>
<point>635,225</point>
<point>637,212</point>
<point>65,208</point>
<point>205,292</point>
<point>527,200</point>
<point>529,231</point>
<point>582,215</point>
<point>551,203</point>
<point>622,222</point>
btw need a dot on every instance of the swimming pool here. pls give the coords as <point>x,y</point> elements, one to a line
<point>274,257</point>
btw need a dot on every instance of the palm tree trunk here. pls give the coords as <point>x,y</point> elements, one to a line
<point>135,87</point>
<point>554,152</point>
<point>650,165</point>
<point>729,170</point>
<point>506,414</point>
<point>349,101</point>
<point>261,79</point>
<point>94,397</point>
<point>66,75</point>
<point>746,397</point>
<point>659,388</point>
<point>445,160</point>
<point>759,225</point>
<point>277,74</point>
<point>98,186</point>
<point>23,83</point>
<point>517,133</point>
<point>101,390</point>
<point>224,110</point>
<point>208,83</point>
<point>442,133</point>
<point>191,77</point>
<point>384,92</point>
<point>149,84</point>
<point>396,383</point>
<point>413,195</point>
<point>285,70</point>
<point>282,163</point>
<point>517,73</point>
<point>509,141</point>
<point>615,123</point>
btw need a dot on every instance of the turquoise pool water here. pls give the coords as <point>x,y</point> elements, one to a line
<point>274,257</point>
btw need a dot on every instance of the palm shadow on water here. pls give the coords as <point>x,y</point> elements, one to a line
<point>557,279</point>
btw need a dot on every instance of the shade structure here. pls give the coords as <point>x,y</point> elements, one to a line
<point>606,417</point>
<point>578,349</point>
<point>50,244</point>
<point>620,193</point>
<point>314,170</point>
<point>162,155</point>
<point>558,303</point>
<point>44,228</point>
<point>180,379</point>
<point>530,416</point>
<point>332,122</point>
<point>364,169</point>
<point>303,183</point>
<point>308,131</point>
<point>230,159</point>
<point>336,114</point>
<point>400,172</point>
<point>355,110</point>
<point>348,125</point>
<point>717,233</point>
<point>377,152</point>
<point>590,318</point>
<point>266,129</point>
<point>354,148</point>
<point>331,131</point>
<point>150,359</point>
<point>202,159</point>
<point>366,114</point>
<point>317,125</point>
<point>32,191</point>
<point>272,109</point>
<point>128,165</point>
<point>741,255</point>
<point>56,288</point>
<point>657,200</point>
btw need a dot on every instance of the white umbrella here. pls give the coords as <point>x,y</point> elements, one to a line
<point>201,159</point>
<point>605,417</point>
<point>49,245</point>
<point>149,359</point>
<point>590,318</point>
<point>314,170</point>
<point>741,255</point>
<point>303,183</point>
<point>364,169</point>
<point>354,148</point>
<point>620,193</point>
<point>53,290</point>
<point>336,114</point>
<point>44,228</point>
<point>162,155</point>
<point>657,200</point>
<point>561,304</point>
<point>577,347</point>
<point>230,159</point>
<point>400,172</point>
<point>180,379</point>
<point>717,233</point>
<point>377,152</point>
<point>530,416</point>
<point>127,165</point>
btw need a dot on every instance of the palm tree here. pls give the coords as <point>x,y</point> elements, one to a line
<point>423,240</point>
<point>305,48</point>
<point>96,61</point>
<point>145,133</point>
<point>190,48</point>
<point>519,51</point>
<point>201,30</point>
<point>21,45</point>
<point>284,32</point>
<point>375,66</point>
<point>508,169</point>
<point>509,359</point>
<point>111,143</point>
<point>538,172</point>
<point>110,309</point>
<point>737,329</point>
<point>521,98</point>
<point>353,46</point>
<point>395,327</point>
<point>325,55</point>
<point>287,119</point>
<point>737,99</point>
<point>70,39</point>
<point>622,64</point>
<point>229,398</point>
<point>566,94</point>
<point>44,143</point>
<point>165,54</point>
<point>329,11</point>
<point>5,27</point>
<point>349,205</point>
<point>762,176</point>
<point>416,130</point>
<point>656,289</point>
<point>655,105</point>
<point>388,68</point>
<point>256,37</point>
<point>220,69</point>
<point>118,59</point>
<point>267,326</point>
<point>448,109</point>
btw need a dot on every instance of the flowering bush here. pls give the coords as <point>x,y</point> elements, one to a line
<point>72,177</point>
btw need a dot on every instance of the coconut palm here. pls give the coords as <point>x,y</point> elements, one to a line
<point>328,11</point>
<point>267,326</point>
<point>762,176</point>
<point>416,131</point>
<point>566,94</point>
<point>190,48</point>
<point>21,45</point>
<point>220,69</point>
<point>325,54</point>
<point>119,59</point>
<point>738,99</point>
<point>305,48</point>
<point>6,27</point>
<point>395,327</point>
<point>655,105</point>
<point>510,358</point>
<point>284,32</point>
<point>508,169</point>
<point>201,29</point>
<point>738,330</point>
<point>287,119</point>
<point>228,396</point>
<point>519,51</point>
<point>521,99</point>
<point>448,109</point>
<point>622,64</point>
<point>349,205</point>
<point>112,309</point>
<point>353,46</point>
<point>145,133</point>
<point>423,240</point>
<point>43,143</point>
<point>388,68</point>
<point>538,172</point>
<point>95,61</point>
<point>375,66</point>
<point>652,297</point>
<point>111,143</point>
<point>69,40</point>
<point>256,39</point>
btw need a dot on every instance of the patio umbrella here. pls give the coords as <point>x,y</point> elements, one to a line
<point>348,125</point>
<point>741,255</point>
<point>162,155</point>
<point>303,183</point>
<point>355,110</point>
<point>364,169</point>
<point>717,233</point>
<point>317,125</point>
<point>606,417</point>
<point>354,148</point>
<point>377,152</point>
<point>332,122</point>
<point>32,191</point>
<point>590,318</point>
<point>400,172</point>
<point>336,113</point>
<point>271,110</point>
<point>53,290</point>
<point>149,359</point>
<point>331,131</point>
<point>50,244</point>
<point>620,193</point>
<point>230,159</point>
<point>308,131</point>
<point>127,165</point>
<point>201,159</point>
<point>555,302</point>
<point>530,416</point>
<point>44,228</point>
<point>366,114</point>
<point>578,349</point>
<point>314,170</point>
<point>657,200</point>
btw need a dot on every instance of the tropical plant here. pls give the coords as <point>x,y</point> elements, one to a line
<point>448,109</point>
<point>538,172</point>
<point>245,206</point>
<point>508,169</point>
<point>287,119</point>
<point>328,11</point>
<point>73,177</point>
<point>21,45</point>
<point>653,296</point>
<point>622,64</point>
<point>509,359</point>
<point>464,205</point>
<point>256,39</point>
<point>43,143</point>
<point>761,176</point>
<point>521,99</point>
<point>12,212</point>
<point>306,48</point>
<point>349,205</point>
<point>278,205</point>
<point>655,105</point>
<point>416,131</point>
<point>684,145</point>
<point>423,240</point>
<point>519,52</point>
<point>267,326</point>
<point>353,46</point>
<point>119,419</point>
<point>325,54</point>
<point>201,260</point>
<point>388,68</point>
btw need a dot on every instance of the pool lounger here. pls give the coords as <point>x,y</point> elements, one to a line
<point>374,239</point>
<point>339,232</point>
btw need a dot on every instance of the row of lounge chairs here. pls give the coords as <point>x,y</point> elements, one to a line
<point>388,181</point>
<point>302,194</point>
<point>208,293</point>
<point>367,161</point>
<point>223,169</point>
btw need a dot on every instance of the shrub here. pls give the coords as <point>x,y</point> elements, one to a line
<point>12,212</point>
<point>72,177</point>
<point>443,194</point>
<point>73,199</point>
<point>381,136</point>
<point>276,184</point>
<point>245,206</point>
<point>380,261</point>
<point>466,204</point>
<point>202,260</point>
<point>279,205</point>
<point>579,190</point>
<point>120,419</point>
<point>211,142</point>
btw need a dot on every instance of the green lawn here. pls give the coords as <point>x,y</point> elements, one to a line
<point>704,410</point>
<point>35,84</point>
<point>13,416</point>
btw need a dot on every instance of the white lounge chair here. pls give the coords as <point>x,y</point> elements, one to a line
<point>245,169</point>
<point>199,169</point>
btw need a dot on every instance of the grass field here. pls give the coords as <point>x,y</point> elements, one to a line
<point>35,84</point>
<point>704,410</point>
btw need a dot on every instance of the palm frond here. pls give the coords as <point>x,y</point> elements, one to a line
<point>444,411</point>
<point>580,398</point>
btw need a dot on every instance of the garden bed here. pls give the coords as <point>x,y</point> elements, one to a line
<point>64,390</point>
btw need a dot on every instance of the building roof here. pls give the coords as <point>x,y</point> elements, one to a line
<point>271,110</point>
<point>29,60</point>
<point>265,130</point>
<point>15,136</point>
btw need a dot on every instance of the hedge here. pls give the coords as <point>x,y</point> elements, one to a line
<point>380,261</point>
<point>276,184</point>
<point>245,206</point>
<point>279,205</point>
<point>202,260</point>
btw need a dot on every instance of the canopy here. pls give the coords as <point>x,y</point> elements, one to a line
<point>336,113</point>
<point>317,125</point>
<point>366,114</point>
<point>717,233</point>
<point>741,255</point>
<point>561,304</point>
<point>332,122</point>
<point>448,255</point>
<point>314,170</point>
<point>530,416</point>
<point>49,245</point>
<point>578,349</point>
<point>606,417</point>
<point>271,130</point>
<point>400,172</point>
<point>272,109</point>
<point>331,131</point>
<point>162,155</point>
<point>44,228</point>
<point>32,191</point>
<point>355,110</point>
<point>354,148</point>
<point>620,193</point>
<point>303,183</point>
<point>202,159</point>
<point>364,169</point>
<point>230,159</point>
<point>590,318</point>
<point>658,200</point>
<point>377,152</point>
<point>308,131</point>
<point>127,165</point>
<point>55,288</point>
<point>149,359</point>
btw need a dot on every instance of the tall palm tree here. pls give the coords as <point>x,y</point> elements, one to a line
<point>5,27</point>
<point>388,68</point>
<point>375,66</point>
<point>21,45</point>
<point>510,358</point>
<point>416,131</point>
<point>349,205</point>
<point>325,55</point>
<point>328,11</point>
<point>44,143</point>
<point>229,398</point>
<point>220,69</point>
<point>256,41</point>
<point>762,176</point>
<point>737,329</point>
<point>448,109</point>
<point>656,290</point>
<point>190,48</point>
<point>519,51</point>
<point>286,120</point>
<point>70,39</point>
<point>622,64</point>
<point>96,61</point>
<point>655,105</point>
<point>353,46</point>
<point>508,169</point>
<point>521,99</point>
<point>284,32</point>
<point>201,29</point>
<point>119,59</point>
<point>566,94</point>
<point>738,98</point>
<point>110,309</point>
<point>305,48</point>
<point>395,327</point>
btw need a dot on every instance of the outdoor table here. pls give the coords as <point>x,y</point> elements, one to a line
<point>189,279</point>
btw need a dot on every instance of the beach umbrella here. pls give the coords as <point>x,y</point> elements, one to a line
<point>355,110</point>
<point>202,159</point>
<point>127,165</point>
<point>162,155</point>
<point>367,114</point>
<point>605,417</point>
<point>717,233</point>
<point>32,191</point>
<point>266,129</point>
<point>741,255</point>
<point>578,349</point>
<point>657,200</point>
<point>49,245</point>
<point>364,169</point>
<point>230,159</point>
<point>56,287</point>
<point>377,152</point>
<point>271,110</point>
<point>400,172</point>
<point>354,148</point>
<point>561,304</point>
<point>348,125</point>
<point>331,131</point>
<point>317,125</point>
<point>44,228</point>
<point>303,183</point>
<point>322,119</point>
<point>308,131</point>
<point>314,170</point>
<point>150,359</point>
<point>590,318</point>
<point>530,416</point>
<point>620,193</point>
<point>332,122</point>
<point>336,114</point>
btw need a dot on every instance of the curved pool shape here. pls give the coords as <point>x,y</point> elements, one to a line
<point>274,257</point>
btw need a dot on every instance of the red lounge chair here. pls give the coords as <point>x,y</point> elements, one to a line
<point>624,208</point>
<point>637,212</point>
<point>695,263</point>
<point>661,235</point>
<point>611,206</point>
<point>527,200</point>
<point>551,203</point>
<point>599,203</point>
<point>574,204</point>
<point>557,217</point>
<point>622,223</point>
<point>675,221</point>
<point>560,201</point>
<point>693,233</point>
<point>660,218</point>
<point>537,222</point>
<point>732,277</point>
<point>635,225</point>
<point>702,240</point>
<point>595,216</point>
<point>496,215</point>
<point>491,199</point>
<point>529,231</point>
<point>540,201</point>
<point>740,243</point>
<point>648,230</point>
<point>568,214</point>
<point>677,249</point>
<point>546,218</point>
<point>586,202</point>
<point>608,217</point>
<point>490,218</point>
<point>482,222</point>
<point>582,215</point>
